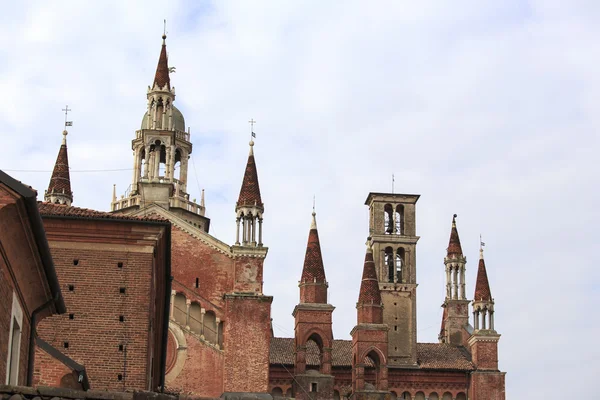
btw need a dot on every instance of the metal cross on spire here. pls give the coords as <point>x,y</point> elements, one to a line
<point>481,244</point>
<point>67,123</point>
<point>252,122</point>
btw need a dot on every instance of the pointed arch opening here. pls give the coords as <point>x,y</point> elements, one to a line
<point>434,396</point>
<point>447,396</point>
<point>314,352</point>
<point>400,264</point>
<point>406,396</point>
<point>372,363</point>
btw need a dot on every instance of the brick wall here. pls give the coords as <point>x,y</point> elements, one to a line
<point>203,370</point>
<point>53,370</point>
<point>487,386</point>
<point>247,338</point>
<point>96,304</point>
<point>485,354</point>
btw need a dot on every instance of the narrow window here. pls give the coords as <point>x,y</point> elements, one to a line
<point>400,219</point>
<point>121,318</point>
<point>197,282</point>
<point>14,344</point>
<point>71,288</point>
<point>75,262</point>
<point>71,316</point>
<point>389,262</point>
<point>120,347</point>
<point>66,345</point>
<point>122,290</point>
<point>120,265</point>
<point>313,386</point>
<point>120,377</point>
<point>388,219</point>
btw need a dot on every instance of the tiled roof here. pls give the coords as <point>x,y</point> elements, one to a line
<point>429,355</point>
<point>250,191</point>
<point>60,182</point>
<point>454,248</point>
<point>369,287</point>
<point>162,69</point>
<point>63,210</point>
<point>482,286</point>
<point>313,270</point>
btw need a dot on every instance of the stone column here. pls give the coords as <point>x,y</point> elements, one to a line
<point>202,312</point>
<point>448,282</point>
<point>168,163</point>
<point>184,170</point>
<point>146,161</point>
<point>475,320</point>
<point>492,319</point>
<point>172,166</point>
<point>260,221</point>
<point>237,231</point>
<point>254,231</point>
<point>394,231</point>
<point>462,283</point>
<point>157,150</point>
<point>483,315</point>
<point>217,322</point>
<point>173,293</point>
<point>188,302</point>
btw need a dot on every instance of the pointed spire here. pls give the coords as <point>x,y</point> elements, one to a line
<point>454,248</point>
<point>482,285</point>
<point>250,191</point>
<point>369,286</point>
<point>59,189</point>
<point>313,270</point>
<point>161,78</point>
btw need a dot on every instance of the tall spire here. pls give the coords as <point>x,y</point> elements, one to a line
<point>313,270</point>
<point>369,286</point>
<point>250,190</point>
<point>482,285</point>
<point>161,78</point>
<point>454,248</point>
<point>59,189</point>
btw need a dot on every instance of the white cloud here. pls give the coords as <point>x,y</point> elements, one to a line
<point>486,109</point>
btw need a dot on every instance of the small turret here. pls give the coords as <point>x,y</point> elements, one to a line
<point>249,207</point>
<point>313,284</point>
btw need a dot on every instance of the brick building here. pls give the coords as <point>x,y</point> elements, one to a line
<point>219,330</point>
<point>29,288</point>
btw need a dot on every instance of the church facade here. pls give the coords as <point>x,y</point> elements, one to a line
<point>219,339</point>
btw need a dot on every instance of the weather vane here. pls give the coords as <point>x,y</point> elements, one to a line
<point>252,122</point>
<point>67,123</point>
<point>481,244</point>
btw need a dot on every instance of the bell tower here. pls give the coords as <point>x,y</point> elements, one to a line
<point>392,236</point>
<point>161,150</point>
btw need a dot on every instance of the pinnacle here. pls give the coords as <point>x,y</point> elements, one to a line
<point>250,191</point>
<point>161,78</point>
<point>482,285</point>
<point>313,270</point>
<point>454,247</point>
<point>369,287</point>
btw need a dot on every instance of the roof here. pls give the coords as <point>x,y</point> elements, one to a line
<point>250,191</point>
<point>63,210</point>
<point>60,182</point>
<point>161,78</point>
<point>369,286</point>
<point>37,227</point>
<point>454,247</point>
<point>482,285</point>
<point>313,270</point>
<point>429,355</point>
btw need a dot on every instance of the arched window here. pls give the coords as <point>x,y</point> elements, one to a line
<point>420,396</point>
<point>461,396</point>
<point>389,262</point>
<point>434,396</point>
<point>177,165</point>
<point>288,393</point>
<point>196,318</point>
<point>400,219</point>
<point>447,396</point>
<point>406,396</point>
<point>388,219</point>
<point>210,327</point>
<point>314,352</point>
<point>180,309</point>
<point>400,257</point>
<point>393,395</point>
<point>277,392</point>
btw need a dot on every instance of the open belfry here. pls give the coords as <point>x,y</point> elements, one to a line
<point>155,302</point>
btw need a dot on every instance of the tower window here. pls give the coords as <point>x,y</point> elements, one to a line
<point>121,318</point>
<point>388,219</point>
<point>120,377</point>
<point>120,347</point>
<point>119,265</point>
<point>313,386</point>
<point>399,219</point>
<point>122,290</point>
<point>66,345</point>
<point>71,288</point>
<point>389,261</point>
<point>71,316</point>
<point>197,282</point>
<point>75,262</point>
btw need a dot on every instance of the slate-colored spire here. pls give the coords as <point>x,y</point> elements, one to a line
<point>369,286</point>
<point>454,248</point>
<point>482,285</point>
<point>250,191</point>
<point>59,189</point>
<point>161,78</point>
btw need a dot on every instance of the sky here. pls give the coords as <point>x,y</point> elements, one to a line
<point>486,109</point>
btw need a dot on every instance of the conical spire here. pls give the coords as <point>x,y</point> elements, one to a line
<point>59,189</point>
<point>161,78</point>
<point>250,191</point>
<point>454,248</point>
<point>369,286</point>
<point>482,286</point>
<point>313,270</point>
